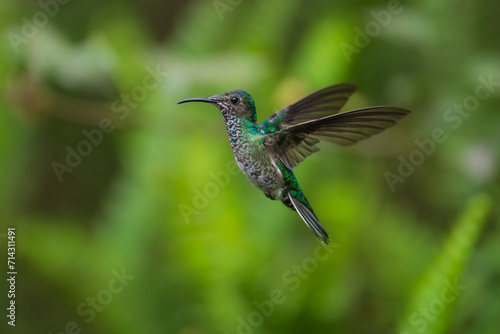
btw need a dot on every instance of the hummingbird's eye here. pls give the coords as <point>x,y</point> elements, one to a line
<point>235,100</point>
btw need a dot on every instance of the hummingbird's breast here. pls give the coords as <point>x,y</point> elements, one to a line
<point>259,167</point>
<point>257,163</point>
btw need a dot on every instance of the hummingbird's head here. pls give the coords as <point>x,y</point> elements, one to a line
<point>235,104</point>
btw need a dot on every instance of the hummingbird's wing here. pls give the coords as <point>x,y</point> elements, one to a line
<point>324,102</point>
<point>294,143</point>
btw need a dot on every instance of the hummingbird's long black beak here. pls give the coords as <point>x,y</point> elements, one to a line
<point>199,99</point>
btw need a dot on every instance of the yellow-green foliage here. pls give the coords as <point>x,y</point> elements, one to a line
<point>442,285</point>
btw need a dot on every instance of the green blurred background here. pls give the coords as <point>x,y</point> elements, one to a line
<point>207,257</point>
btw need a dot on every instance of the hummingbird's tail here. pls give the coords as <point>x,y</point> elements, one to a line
<point>305,211</point>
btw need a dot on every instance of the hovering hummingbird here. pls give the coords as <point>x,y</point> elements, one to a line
<point>267,152</point>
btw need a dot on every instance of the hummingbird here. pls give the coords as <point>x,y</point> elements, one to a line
<point>267,152</point>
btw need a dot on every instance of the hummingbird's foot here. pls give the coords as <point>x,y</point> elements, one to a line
<point>288,203</point>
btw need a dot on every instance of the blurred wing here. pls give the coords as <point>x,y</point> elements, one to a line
<point>294,143</point>
<point>321,103</point>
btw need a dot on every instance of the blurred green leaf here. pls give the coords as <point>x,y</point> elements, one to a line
<point>436,293</point>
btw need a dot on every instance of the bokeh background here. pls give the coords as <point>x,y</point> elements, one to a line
<point>156,201</point>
